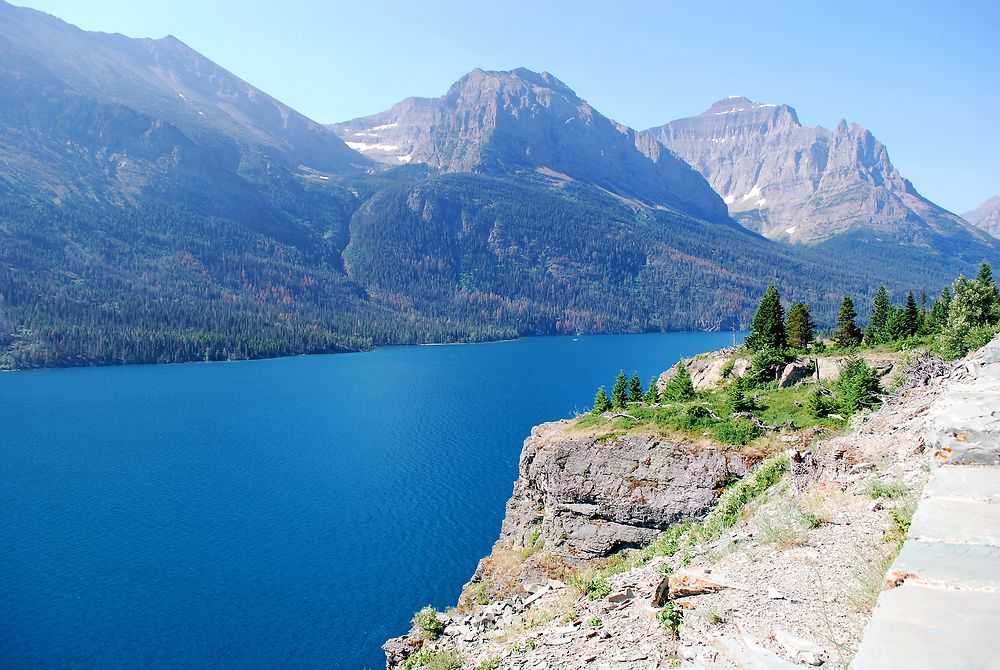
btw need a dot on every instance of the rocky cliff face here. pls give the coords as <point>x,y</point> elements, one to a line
<point>802,184</point>
<point>504,122</point>
<point>986,216</point>
<point>585,497</point>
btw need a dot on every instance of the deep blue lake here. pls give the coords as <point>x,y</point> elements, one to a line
<point>288,513</point>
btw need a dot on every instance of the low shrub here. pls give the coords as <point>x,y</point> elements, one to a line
<point>427,622</point>
<point>736,432</point>
<point>887,490</point>
<point>858,387</point>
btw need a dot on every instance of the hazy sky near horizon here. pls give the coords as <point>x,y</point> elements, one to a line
<point>923,76</point>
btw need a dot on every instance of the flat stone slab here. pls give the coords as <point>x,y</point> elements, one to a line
<point>957,566</point>
<point>992,351</point>
<point>965,483</point>
<point>956,521</point>
<point>922,628</point>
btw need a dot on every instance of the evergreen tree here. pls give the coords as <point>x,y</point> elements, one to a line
<point>985,277</point>
<point>878,325</point>
<point>910,318</point>
<point>858,387</point>
<point>680,387</point>
<point>601,401</point>
<point>619,393</point>
<point>738,396</point>
<point>652,395</point>
<point>895,329</point>
<point>635,388</point>
<point>847,334</point>
<point>801,327</point>
<point>973,315</point>
<point>817,404</point>
<point>767,329</point>
<point>938,317</point>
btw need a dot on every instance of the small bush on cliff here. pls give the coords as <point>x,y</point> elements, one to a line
<point>858,387</point>
<point>590,583</point>
<point>490,663</point>
<point>680,387</point>
<point>427,622</point>
<point>737,432</point>
<point>738,397</point>
<point>671,616</point>
<point>818,404</point>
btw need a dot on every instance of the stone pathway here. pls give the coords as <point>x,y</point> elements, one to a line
<point>944,611</point>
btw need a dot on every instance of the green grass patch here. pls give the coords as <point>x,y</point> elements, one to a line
<point>887,490</point>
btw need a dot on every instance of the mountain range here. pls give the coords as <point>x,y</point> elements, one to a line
<point>986,216</point>
<point>155,208</point>
<point>790,182</point>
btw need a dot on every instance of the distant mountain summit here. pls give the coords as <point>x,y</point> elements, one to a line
<point>802,184</point>
<point>986,216</point>
<point>122,114</point>
<point>517,121</point>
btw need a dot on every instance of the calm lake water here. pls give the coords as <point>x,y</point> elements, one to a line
<point>288,513</point>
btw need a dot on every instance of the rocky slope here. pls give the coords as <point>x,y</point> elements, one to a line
<point>506,122</point>
<point>986,216</point>
<point>790,585</point>
<point>571,495</point>
<point>802,184</point>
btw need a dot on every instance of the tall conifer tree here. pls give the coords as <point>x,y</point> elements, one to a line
<point>767,329</point>
<point>878,325</point>
<point>635,388</point>
<point>847,334</point>
<point>619,394</point>
<point>801,328</point>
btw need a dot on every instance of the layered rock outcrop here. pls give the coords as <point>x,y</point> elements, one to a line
<point>586,497</point>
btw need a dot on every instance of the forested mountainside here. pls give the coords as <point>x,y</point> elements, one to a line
<point>156,208</point>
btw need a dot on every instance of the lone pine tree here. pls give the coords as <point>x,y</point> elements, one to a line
<point>800,328</point>
<point>602,403</point>
<point>878,325</point>
<point>635,388</point>
<point>847,334</point>
<point>767,328</point>
<point>619,393</point>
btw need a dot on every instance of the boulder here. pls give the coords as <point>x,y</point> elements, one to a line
<point>706,370</point>
<point>795,373</point>
<point>693,582</point>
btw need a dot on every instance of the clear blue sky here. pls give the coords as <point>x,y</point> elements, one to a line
<point>923,76</point>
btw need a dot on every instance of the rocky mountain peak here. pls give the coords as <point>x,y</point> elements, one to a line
<point>803,184</point>
<point>986,216</point>
<point>524,121</point>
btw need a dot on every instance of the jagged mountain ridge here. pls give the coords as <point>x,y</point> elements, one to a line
<point>138,109</point>
<point>800,184</point>
<point>504,122</point>
<point>986,216</point>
